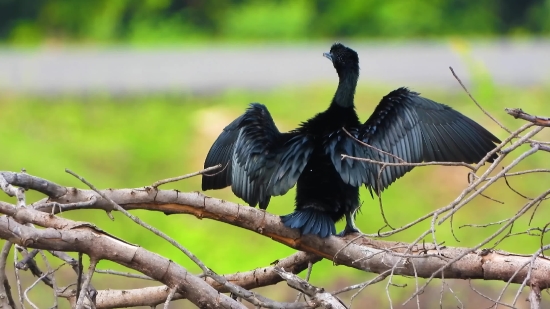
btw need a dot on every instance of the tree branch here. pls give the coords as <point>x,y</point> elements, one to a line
<point>27,181</point>
<point>365,254</point>
<point>84,238</point>
<point>6,299</point>
<point>519,113</point>
<point>153,296</point>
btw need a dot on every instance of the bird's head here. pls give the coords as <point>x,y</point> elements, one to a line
<point>344,59</point>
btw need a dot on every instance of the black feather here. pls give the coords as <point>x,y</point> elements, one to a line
<point>260,162</point>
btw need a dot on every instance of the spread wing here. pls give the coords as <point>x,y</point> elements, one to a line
<point>414,129</point>
<point>259,161</point>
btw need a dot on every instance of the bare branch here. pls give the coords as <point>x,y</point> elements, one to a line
<point>27,258</point>
<point>486,297</point>
<point>254,299</point>
<point>27,181</point>
<point>153,296</point>
<point>534,296</point>
<point>6,299</point>
<point>54,284</point>
<point>404,163</point>
<point>17,280</point>
<point>122,274</point>
<point>493,263</point>
<point>317,295</point>
<point>35,283</point>
<point>84,238</point>
<point>169,298</point>
<point>84,289</point>
<point>28,262</point>
<point>478,105</point>
<point>367,254</point>
<point>174,179</point>
<point>518,113</point>
<point>143,224</point>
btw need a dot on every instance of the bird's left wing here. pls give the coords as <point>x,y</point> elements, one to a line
<point>407,127</point>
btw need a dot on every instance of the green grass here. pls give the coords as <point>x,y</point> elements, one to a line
<point>121,142</point>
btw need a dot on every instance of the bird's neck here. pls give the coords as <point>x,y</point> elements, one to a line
<point>346,90</point>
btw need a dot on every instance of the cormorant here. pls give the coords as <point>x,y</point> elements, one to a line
<point>258,161</point>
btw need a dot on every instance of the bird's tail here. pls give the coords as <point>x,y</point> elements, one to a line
<point>310,221</point>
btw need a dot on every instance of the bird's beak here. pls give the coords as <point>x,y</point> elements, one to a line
<point>328,56</point>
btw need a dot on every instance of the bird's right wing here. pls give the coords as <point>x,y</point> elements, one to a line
<point>261,162</point>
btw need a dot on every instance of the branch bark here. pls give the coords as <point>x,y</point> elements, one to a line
<point>365,254</point>
<point>152,296</point>
<point>64,235</point>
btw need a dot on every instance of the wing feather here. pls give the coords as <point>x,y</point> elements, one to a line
<point>262,161</point>
<point>414,129</point>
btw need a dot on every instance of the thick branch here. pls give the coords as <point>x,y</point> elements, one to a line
<point>83,238</point>
<point>27,181</point>
<point>519,113</point>
<point>365,254</point>
<point>152,296</point>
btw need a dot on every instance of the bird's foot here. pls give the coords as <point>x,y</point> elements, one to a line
<point>349,230</point>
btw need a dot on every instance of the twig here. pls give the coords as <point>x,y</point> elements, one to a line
<point>143,224</point>
<point>524,209</point>
<point>27,181</point>
<point>79,271</point>
<point>484,225</point>
<point>536,170</point>
<point>6,187</point>
<point>460,202</point>
<point>317,294</point>
<point>514,275</point>
<point>372,147</point>
<point>84,290</point>
<point>5,290</point>
<point>308,274</point>
<point>174,179</point>
<point>404,163</point>
<point>36,282</point>
<point>31,264</point>
<point>169,298</point>
<point>123,274</point>
<point>254,299</point>
<point>487,297</point>
<point>17,279</point>
<point>514,190</point>
<point>69,206</point>
<point>518,113</point>
<point>54,285</point>
<point>500,147</point>
<point>454,294</point>
<point>529,272</point>
<point>27,257</point>
<point>478,105</point>
<point>534,296</point>
<point>361,286</point>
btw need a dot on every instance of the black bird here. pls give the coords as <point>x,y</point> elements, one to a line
<point>258,161</point>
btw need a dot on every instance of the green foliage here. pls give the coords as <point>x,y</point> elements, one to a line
<point>142,22</point>
<point>268,20</point>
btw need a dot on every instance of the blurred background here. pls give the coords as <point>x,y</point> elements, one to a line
<point>131,91</point>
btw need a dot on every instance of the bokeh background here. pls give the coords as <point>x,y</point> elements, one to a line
<point>128,92</point>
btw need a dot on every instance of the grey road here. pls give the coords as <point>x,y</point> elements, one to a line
<point>215,68</point>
